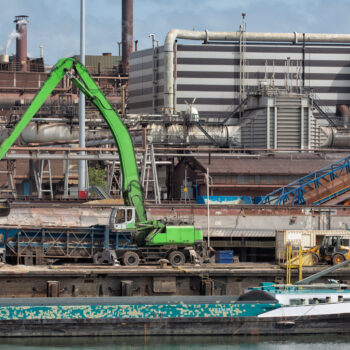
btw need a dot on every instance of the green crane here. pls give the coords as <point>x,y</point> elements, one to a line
<point>148,232</point>
<point>132,192</point>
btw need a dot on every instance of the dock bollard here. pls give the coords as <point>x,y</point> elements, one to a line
<point>163,263</point>
<point>53,289</point>
<point>127,288</point>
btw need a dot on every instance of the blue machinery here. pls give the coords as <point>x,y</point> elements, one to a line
<point>296,192</point>
<point>58,243</point>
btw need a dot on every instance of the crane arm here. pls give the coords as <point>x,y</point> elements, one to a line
<point>132,191</point>
<point>57,73</point>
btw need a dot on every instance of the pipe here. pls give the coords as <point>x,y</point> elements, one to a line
<point>21,42</point>
<point>174,134</point>
<point>344,112</point>
<point>229,36</point>
<point>127,33</point>
<point>336,138</point>
<point>45,133</point>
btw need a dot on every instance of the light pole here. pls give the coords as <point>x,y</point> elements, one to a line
<point>208,195</point>
<point>82,193</point>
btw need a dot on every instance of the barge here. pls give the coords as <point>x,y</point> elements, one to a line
<point>266,310</point>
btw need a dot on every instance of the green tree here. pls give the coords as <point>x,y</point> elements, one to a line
<point>97,176</point>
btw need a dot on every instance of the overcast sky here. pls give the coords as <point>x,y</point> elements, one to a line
<point>55,23</point>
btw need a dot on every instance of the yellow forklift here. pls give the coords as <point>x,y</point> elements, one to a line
<point>333,249</point>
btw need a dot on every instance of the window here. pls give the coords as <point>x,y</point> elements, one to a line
<point>129,215</point>
<point>120,217</point>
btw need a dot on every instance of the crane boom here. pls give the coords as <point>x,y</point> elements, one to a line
<point>132,191</point>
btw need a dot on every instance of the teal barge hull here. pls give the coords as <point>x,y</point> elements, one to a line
<point>160,316</point>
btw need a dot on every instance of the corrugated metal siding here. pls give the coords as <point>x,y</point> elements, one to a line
<point>229,232</point>
<point>141,81</point>
<point>288,114</point>
<point>106,62</point>
<point>288,122</point>
<point>211,74</point>
<point>253,133</point>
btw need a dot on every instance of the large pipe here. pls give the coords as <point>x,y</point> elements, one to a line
<point>336,138</point>
<point>21,42</point>
<point>344,112</point>
<point>53,132</point>
<point>179,134</point>
<point>127,33</point>
<point>169,103</point>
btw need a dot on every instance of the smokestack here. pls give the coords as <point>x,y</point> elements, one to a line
<point>127,32</point>
<point>21,42</point>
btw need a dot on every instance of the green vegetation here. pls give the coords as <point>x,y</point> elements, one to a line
<point>97,176</point>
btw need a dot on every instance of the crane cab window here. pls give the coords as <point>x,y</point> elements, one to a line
<point>124,215</point>
<point>129,215</point>
<point>120,217</point>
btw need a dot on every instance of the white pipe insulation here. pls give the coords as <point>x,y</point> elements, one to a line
<point>336,138</point>
<point>53,132</point>
<point>174,34</point>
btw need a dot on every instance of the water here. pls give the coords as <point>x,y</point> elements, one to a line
<point>320,342</point>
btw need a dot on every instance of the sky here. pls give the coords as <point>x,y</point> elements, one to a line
<point>55,24</point>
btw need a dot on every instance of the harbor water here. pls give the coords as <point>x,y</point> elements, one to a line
<point>319,342</point>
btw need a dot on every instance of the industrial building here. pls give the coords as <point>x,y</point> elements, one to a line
<point>232,117</point>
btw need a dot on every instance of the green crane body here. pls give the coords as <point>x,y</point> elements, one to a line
<point>147,230</point>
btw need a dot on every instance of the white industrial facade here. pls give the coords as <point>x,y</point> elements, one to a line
<point>211,74</point>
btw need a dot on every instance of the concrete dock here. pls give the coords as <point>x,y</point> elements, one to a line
<point>92,281</point>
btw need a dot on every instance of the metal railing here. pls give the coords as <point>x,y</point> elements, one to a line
<point>294,193</point>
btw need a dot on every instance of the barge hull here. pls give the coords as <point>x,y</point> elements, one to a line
<point>335,323</point>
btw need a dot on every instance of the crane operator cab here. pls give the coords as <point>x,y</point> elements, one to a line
<point>122,218</point>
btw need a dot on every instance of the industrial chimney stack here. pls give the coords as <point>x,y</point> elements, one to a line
<point>127,33</point>
<point>21,42</point>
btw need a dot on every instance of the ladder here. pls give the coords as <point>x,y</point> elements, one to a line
<point>10,176</point>
<point>149,173</point>
<point>115,179</point>
<point>39,175</point>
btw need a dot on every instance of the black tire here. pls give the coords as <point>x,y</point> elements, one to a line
<point>315,258</point>
<point>131,259</point>
<point>97,258</point>
<point>337,259</point>
<point>177,258</point>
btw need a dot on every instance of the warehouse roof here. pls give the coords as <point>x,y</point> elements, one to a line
<point>263,165</point>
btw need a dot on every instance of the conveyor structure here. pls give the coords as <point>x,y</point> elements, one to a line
<point>327,185</point>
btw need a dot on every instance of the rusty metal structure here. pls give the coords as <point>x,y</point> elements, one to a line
<point>234,170</point>
<point>21,41</point>
<point>127,33</point>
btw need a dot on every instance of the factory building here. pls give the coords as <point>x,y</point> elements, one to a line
<point>219,76</point>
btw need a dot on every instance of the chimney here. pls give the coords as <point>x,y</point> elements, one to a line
<point>21,42</point>
<point>127,33</point>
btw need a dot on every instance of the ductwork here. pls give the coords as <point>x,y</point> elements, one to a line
<point>344,112</point>
<point>336,138</point>
<point>53,132</point>
<point>206,36</point>
<point>179,134</point>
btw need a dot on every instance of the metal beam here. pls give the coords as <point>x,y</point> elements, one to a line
<point>323,273</point>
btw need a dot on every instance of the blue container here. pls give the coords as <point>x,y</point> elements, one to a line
<point>224,257</point>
